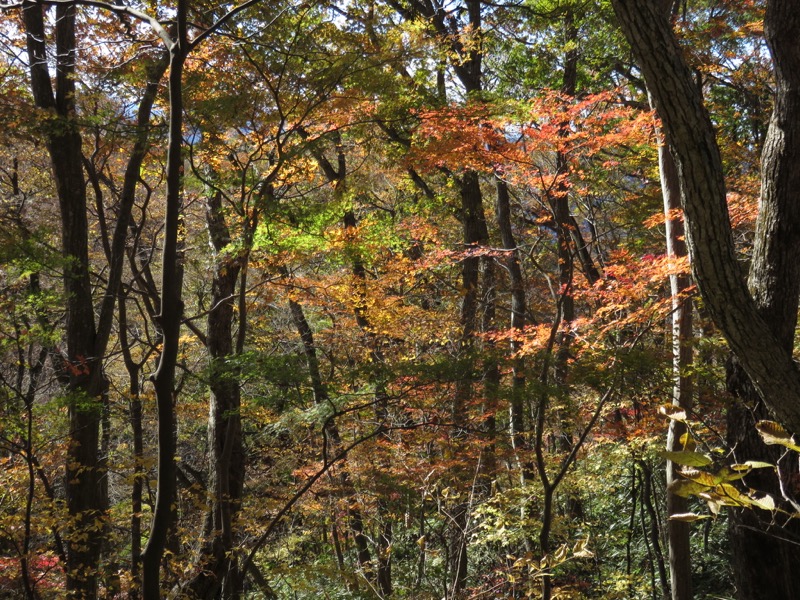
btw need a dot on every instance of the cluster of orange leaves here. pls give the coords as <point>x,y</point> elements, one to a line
<point>471,137</point>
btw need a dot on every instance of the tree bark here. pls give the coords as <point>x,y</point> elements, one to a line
<point>680,562</point>
<point>219,575</point>
<point>693,145</point>
<point>64,144</point>
<point>87,339</point>
<point>765,561</point>
<point>169,320</point>
<point>518,312</point>
<point>758,323</point>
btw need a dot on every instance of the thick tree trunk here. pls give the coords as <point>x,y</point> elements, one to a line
<point>693,144</point>
<point>219,575</point>
<point>475,235</point>
<point>766,563</point>
<point>466,45</point>
<point>83,476</point>
<point>758,327</point>
<point>86,339</point>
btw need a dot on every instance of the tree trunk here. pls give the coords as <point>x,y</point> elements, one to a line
<point>651,529</point>
<point>219,576</point>
<point>682,384</point>
<point>758,327</point>
<point>169,320</point>
<point>766,565</point>
<point>134,392</point>
<point>83,476</point>
<point>86,339</point>
<point>518,310</point>
<point>765,562</point>
<point>693,145</point>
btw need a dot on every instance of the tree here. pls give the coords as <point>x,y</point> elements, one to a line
<point>86,338</point>
<point>367,372</point>
<point>758,323</point>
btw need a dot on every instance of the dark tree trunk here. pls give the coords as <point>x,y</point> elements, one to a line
<point>383,574</point>
<point>169,321</point>
<point>87,339</point>
<point>518,312</point>
<point>333,441</point>
<point>467,64</point>
<point>219,576</point>
<point>755,341</point>
<point>651,529</point>
<point>475,235</point>
<point>766,563</point>
<point>758,324</point>
<point>766,560</point>
<point>83,476</point>
<point>135,400</point>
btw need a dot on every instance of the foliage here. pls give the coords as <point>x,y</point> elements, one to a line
<point>328,153</point>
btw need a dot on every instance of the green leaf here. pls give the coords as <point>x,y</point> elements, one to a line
<point>757,464</point>
<point>726,474</point>
<point>741,467</point>
<point>686,488</point>
<point>688,459</point>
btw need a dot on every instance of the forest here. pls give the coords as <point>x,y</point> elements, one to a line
<point>425,299</point>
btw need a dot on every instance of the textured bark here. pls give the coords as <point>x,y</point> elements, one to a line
<point>87,339</point>
<point>765,561</point>
<point>219,574</point>
<point>83,477</point>
<point>518,311</point>
<point>693,144</point>
<point>758,323</point>
<point>775,270</point>
<point>765,564</point>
